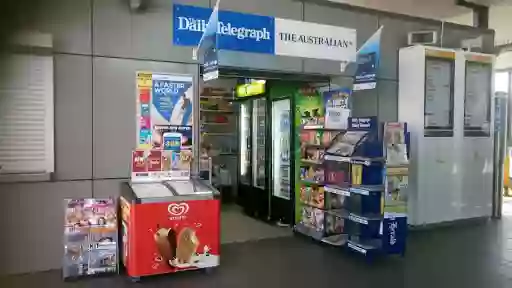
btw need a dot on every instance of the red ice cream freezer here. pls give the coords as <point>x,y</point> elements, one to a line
<point>169,226</point>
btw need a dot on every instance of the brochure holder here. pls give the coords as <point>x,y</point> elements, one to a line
<point>90,238</point>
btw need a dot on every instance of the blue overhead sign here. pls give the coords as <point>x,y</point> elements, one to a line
<point>368,58</point>
<point>189,23</point>
<point>236,31</point>
<point>263,34</point>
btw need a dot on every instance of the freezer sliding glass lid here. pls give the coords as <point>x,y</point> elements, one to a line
<point>150,190</point>
<point>192,187</point>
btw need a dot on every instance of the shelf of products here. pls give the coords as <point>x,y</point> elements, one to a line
<point>218,141</point>
<point>355,198</point>
<point>322,214</point>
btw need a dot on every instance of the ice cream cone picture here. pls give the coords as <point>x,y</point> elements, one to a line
<point>187,246</point>
<point>165,240</point>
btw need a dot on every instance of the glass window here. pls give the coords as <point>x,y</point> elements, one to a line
<point>501,81</point>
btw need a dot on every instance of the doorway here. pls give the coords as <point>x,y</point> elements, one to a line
<point>503,197</point>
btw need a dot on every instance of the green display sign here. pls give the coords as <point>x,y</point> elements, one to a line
<point>251,89</point>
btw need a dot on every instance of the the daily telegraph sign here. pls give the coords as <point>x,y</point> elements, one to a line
<point>264,34</point>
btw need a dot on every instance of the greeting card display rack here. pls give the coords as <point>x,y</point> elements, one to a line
<point>361,202</point>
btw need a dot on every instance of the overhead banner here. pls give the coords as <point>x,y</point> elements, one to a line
<point>316,41</point>
<point>368,58</point>
<point>264,34</point>
<point>207,47</point>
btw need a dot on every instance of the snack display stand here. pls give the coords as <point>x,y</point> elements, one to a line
<point>169,226</point>
<point>363,201</point>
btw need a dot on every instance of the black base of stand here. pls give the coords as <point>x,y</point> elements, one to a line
<point>281,210</point>
<point>255,201</point>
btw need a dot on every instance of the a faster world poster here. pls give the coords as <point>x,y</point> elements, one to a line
<point>164,111</point>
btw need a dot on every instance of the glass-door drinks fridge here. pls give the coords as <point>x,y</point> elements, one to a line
<point>253,185</point>
<point>281,206</point>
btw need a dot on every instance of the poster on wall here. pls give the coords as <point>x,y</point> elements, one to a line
<point>337,108</point>
<point>164,126</point>
<point>368,58</point>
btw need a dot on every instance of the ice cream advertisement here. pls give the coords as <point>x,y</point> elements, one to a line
<point>164,127</point>
<point>185,237</point>
<point>163,101</point>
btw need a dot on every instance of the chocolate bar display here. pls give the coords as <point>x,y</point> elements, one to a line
<point>90,237</point>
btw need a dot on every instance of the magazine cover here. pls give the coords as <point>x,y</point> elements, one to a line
<point>394,139</point>
<point>90,237</point>
<point>337,108</point>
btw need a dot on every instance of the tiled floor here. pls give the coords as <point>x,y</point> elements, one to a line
<point>238,227</point>
<point>476,255</point>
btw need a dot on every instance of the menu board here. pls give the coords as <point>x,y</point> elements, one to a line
<point>477,96</point>
<point>438,93</point>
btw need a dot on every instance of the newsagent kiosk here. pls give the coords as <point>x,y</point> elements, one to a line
<point>315,146</point>
<point>266,100</point>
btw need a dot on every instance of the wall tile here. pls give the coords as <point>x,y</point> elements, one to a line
<point>73,117</point>
<point>287,9</point>
<point>146,35</point>
<point>394,37</point>
<point>69,22</point>
<point>107,188</point>
<point>32,227</point>
<point>365,103</point>
<point>387,97</point>
<point>114,109</point>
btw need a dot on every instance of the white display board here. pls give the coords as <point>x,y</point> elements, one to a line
<point>438,92</point>
<point>477,96</point>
